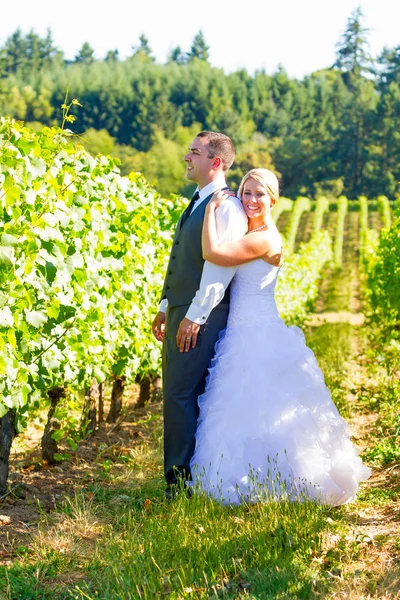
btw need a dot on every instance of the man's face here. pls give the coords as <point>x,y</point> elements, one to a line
<point>198,164</point>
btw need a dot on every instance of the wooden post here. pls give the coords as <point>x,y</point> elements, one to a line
<point>7,434</point>
<point>89,413</point>
<point>101,403</point>
<point>144,395</point>
<point>116,399</point>
<point>49,445</point>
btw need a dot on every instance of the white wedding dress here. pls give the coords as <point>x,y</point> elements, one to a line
<point>267,426</point>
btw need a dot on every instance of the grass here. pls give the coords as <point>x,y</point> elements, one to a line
<point>338,294</point>
<point>128,543</point>
<point>330,343</point>
<point>380,396</point>
<point>118,539</point>
<point>380,496</point>
<point>195,548</point>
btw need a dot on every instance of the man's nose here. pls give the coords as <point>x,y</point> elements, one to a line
<point>187,158</point>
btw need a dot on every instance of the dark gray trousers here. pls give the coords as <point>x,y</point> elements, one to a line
<point>184,377</point>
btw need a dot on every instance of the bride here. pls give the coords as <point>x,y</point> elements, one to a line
<point>267,426</point>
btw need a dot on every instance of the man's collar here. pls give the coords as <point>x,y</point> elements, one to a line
<point>212,187</point>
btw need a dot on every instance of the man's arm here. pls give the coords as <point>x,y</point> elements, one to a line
<point>158,324</point>
<point>162,307</point>
<point>231,224</point>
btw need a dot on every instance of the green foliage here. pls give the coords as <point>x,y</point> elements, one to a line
<point>199,49</point>
<point>368,239</point>
<point>383,396</point>
<point>384,452</point>
<point>23,53</point>
<point>83,252</point>
<point>300,206</point>
<point>335,131</point>
<point>143,50</point>
<point>338,245</point>
<point>331,344</point>
<point>321,207</point>
<point>384,211</point>
<point>383,282</point>
<point>297,286</point>
<point>165,175</point>
<point>255,154</point>
<point>352,50</point>
<point>390,66</point>
<point>85,54</point>
<point>283,205</point>
<point>176,55</point>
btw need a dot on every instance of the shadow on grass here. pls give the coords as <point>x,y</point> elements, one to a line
<point>189,548</point>
<point>199,548</point>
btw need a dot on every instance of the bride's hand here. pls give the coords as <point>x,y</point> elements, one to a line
<point>219,197</point>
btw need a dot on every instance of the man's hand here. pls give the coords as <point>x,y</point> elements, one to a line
<point>187,335</point>
<point>158,326</point>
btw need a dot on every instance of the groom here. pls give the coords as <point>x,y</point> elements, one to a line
<point>195,302</point>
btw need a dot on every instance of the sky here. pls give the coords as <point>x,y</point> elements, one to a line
<point>255,34</point>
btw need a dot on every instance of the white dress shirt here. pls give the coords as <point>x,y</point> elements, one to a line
<point>231,224</point>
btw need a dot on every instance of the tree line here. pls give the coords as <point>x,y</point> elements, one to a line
<point>334,131</point>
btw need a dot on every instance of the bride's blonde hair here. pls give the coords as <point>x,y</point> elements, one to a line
<point>267,179</point>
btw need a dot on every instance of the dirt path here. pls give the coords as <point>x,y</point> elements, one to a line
<point>375,517</point>
<point>36,489</point>
<point>372,567</point>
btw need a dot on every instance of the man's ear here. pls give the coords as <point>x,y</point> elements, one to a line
<point>217,162</point>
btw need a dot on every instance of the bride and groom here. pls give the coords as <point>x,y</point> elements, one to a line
<point>246,410</point>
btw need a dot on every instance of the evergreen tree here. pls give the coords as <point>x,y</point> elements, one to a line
<point>143,49</point>
<point>85,55</point>
<point>354,61</point>
<point>352,55</point>
<point>389,63</point>
<point>112,56</point>
<point>176,55</point>
<point>384,173</point>
<point>13,54</point>
<point>335,131</point>
<point>199,48</point>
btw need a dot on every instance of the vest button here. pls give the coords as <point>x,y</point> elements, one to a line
<point>167,287</point>
<point>170,273</point>
<point>177,243</point>
<point>173,258</point>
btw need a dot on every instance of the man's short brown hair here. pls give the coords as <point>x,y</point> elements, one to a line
<point>220,145</point>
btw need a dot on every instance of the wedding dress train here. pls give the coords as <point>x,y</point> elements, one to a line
<point>267,425</point>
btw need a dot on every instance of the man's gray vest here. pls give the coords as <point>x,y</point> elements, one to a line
<point>186,262</point>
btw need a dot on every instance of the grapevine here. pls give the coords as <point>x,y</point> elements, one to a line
<point>338,245</point>
<point>283,205</point>
<point>301,205</point>
<point>321,207</point>
<point>83,253</point>
<point>384,211</point>
<point>297,286</point>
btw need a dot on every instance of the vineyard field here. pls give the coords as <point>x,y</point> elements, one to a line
<point>82,257</point>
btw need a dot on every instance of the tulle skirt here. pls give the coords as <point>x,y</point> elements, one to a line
<point>268,427</point>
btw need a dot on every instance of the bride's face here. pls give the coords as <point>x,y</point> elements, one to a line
<point>255,199</point>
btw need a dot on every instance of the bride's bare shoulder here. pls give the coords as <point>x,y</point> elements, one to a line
<point>274,254</point>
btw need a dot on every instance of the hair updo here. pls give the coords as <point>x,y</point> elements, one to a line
<point>267,179</point>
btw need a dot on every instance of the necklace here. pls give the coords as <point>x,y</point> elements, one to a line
<point>257,228</point>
